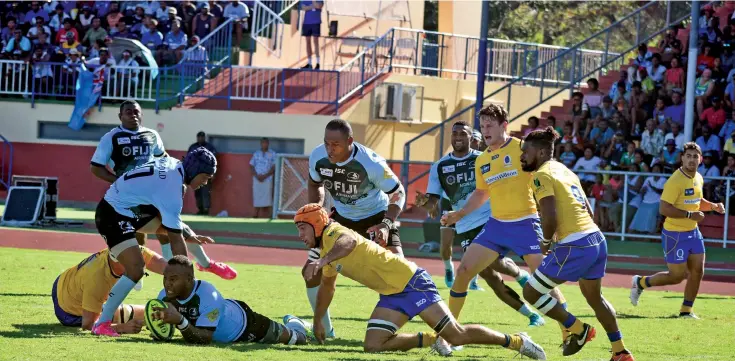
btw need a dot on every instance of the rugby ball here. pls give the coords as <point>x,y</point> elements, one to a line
<point>159,331</point>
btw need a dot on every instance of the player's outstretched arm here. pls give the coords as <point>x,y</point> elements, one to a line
<point>178,246</point>
<point>323,299</point>
<point>131,327</point>
<point>191,333</point>
<point>705,206</point>
<point>476,199</point>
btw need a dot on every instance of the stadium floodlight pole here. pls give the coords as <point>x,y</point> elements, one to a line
<point>691,73</point>
<point>481,61</point>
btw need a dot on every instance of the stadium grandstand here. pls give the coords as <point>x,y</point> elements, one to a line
<point>256,82</point>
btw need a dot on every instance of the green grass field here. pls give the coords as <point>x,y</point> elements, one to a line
<point>28,328</point>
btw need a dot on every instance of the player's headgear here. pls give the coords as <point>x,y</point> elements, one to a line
<point>315,215</point>
<point>199,160</point>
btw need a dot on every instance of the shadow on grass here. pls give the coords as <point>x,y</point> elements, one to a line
<point>680,297</point>
<point>25,294</point>
<point>626,316</point>
<point>40,330</point>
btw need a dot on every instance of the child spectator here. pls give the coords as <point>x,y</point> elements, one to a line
<point>670,156</point>
<point>568,158</point>
<point>606,108</point>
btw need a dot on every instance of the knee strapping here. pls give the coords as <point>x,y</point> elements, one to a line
<point>541,283</point>
<point>545,303</point>
<point>444,322</point>
<point>383,325</point>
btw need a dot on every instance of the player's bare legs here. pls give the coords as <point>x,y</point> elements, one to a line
<point>695,263</point>
<point>446,239</point>
<point>507,267</point>
<point>381,333</point>
<point>312,289</point>
<point>474,260</point>
<point>509,296</point>
<point>534,261</point>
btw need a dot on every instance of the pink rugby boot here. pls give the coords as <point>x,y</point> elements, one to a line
<point>220,269</point>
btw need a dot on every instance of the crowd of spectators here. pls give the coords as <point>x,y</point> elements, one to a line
<point>637,124</point>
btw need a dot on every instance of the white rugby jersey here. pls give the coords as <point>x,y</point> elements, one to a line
<point>124,149</point>
<point>359,185</point>
<point>156,186</point>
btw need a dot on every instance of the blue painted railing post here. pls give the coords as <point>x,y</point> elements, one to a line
<point>481,62</point>
<point>336,100</point>
<point>229,88</point>
<point>283,89</point>
<point>158,88</point>
<point>362,72</point>
<point>33,93</point>
<point>440,62</point>
<point>573,72</point>
<point>404,166</point>
<point>391,50</point>
<point>466,49</point>
<point>417,54</point>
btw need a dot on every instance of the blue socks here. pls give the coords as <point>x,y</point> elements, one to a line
<point>117,295</point>
<point>525,311</point>
<point>326,320</point>
<point>198,252</point>
<point>166,251</point>
<point>569,321</point>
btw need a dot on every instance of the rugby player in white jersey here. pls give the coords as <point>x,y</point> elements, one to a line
<point>368,197</point>
<point>145,200</point>
<point>128,146</point>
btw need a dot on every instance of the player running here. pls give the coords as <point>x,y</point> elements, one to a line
<point>368,197</point>
<point>514,224</point>
<point>405,291</point>
<point>683,205</point>
<point>454,175</point>
<point>143,200</point>
<point>203,315</point>
<point>130,145</point>
<point>79,292</point>
<point>579,252</point>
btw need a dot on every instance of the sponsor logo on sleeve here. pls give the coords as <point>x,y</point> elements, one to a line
<point>124,140</point>
<point>448,169</point>
<point>326,172</point>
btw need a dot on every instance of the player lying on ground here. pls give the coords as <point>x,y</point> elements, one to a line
<point>578,248</point>
<point>405,291</point>
<point>203,315</point>
<point>683,205</point>
<point>79,292</point>
<point>514,225</point>
<point>454,176</point>
<point>134,203</point>
<point>129,146</point>
<point>367,195</point>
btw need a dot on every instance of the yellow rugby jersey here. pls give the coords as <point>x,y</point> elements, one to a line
<point>369,264</point>
<point>87,285</point>
<point>499,173</point>
<point>555,179</point>
<point>685,193</point>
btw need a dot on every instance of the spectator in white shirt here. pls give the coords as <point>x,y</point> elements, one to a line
<point>127,74</point>
<point>263,167</point>
<point>676,135</point>
<point>588,162</point>
<point>655,70</point>
<point>175,43</point>
<point>708,168</point>
<point>652,139</point>
<point>240,13</point>
<point>70,71</point>
<point>40,27</point>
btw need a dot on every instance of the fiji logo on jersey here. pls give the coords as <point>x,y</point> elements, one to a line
<point>353,177</point>
<point>689,192</point>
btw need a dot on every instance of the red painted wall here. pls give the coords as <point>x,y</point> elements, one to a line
<point>70,163</point>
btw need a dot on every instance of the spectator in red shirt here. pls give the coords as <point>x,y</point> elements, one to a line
<point>715,115</point>
<point>61,35</point>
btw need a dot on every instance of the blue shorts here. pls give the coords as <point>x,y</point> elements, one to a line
<point>522,237</point>
<point>679,245</point>
<point>585,258</point>
<point>419,294</point>
<point>65,318</point>
<point>311,30</point>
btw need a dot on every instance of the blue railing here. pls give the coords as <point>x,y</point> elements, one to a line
<point>6,162</point>
<point>659,16</point>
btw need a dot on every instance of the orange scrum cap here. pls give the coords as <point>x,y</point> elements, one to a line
<point>315,215</point>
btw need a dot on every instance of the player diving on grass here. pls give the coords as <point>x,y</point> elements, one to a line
<point>79,292</point>
<point>147,199</point>
<point>683,205</point>
<point>514,224</point>
<point>575,248</point>
<point>203,315</point>
<point>367,195</point>
<point>454,176</point>
<point>405,291</point>
<point>130,145</point>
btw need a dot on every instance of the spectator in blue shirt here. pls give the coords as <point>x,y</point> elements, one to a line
<point>239,13</point>
<point>152,38</point>
<point>568,157</point>
<point>601,135</point>
<point>311,29</point>
<point>709,142</point>
<point>670,155</point>
<point>35,11</point>
<point>18,47</point>
<point>175,43</point>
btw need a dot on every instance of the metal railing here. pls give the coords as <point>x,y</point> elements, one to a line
<point>659,16</point>
<point>12,81</point>
<point>267,28</point>
<point>6,162</point>
<point>421,52</point>
<point>370,63</point>
<point>218,44</point>
<point>626,200</point>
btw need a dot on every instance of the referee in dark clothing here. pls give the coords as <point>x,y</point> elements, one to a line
<point>203,193</point>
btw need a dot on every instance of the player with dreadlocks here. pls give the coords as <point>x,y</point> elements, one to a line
<point>575,249</point>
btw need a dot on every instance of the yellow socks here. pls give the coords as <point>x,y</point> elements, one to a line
<point>426,339</point>
<point>643,282</point>
<point>577,327</point>
<point>513,342</point>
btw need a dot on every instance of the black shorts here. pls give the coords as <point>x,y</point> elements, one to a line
<point>465,238</point>
<point>116,228</point>
<point>259,328</point>
<point>361,226</point>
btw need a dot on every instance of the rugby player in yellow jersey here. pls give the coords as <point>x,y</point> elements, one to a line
<point>682,204</point>
<point>405,291</point>
<point>79,292</point>
<point>514,224</point>
<point>578,248</point>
